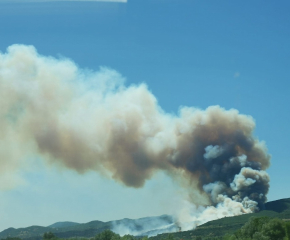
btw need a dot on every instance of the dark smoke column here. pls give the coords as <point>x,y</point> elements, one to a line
<point>220,152</point>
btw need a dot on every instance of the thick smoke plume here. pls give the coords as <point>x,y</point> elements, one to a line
<point>84,120</point>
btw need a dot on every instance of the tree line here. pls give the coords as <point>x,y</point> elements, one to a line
<point>262,228</point>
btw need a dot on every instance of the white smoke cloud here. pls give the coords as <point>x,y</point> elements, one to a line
<point>248,177</point>
<point>190,215</point>
<point>90,121</point>
<point>214,190</point>
<point>212,152</point>
<point>241,160</point>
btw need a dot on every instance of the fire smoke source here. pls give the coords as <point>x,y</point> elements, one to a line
<point>84,120</point>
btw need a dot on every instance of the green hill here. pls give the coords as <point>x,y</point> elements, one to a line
<point>63,224</point>
<point>90,229</point>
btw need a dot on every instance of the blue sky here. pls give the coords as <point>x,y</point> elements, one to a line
<point>189,53</point>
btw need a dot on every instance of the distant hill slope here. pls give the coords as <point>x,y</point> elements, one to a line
<point>90,229</point>
<point>63,224</point>
<point>219,227</point>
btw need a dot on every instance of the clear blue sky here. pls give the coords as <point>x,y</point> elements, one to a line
<point>235,54</point>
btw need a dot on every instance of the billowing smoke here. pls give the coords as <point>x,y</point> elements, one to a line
<point>84,120</point>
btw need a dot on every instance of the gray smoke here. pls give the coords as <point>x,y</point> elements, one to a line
<point>149,226</point>
<point>84,120</point>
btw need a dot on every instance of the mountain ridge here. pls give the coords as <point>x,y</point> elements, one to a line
<point>71,229</point>
<point>63,224</point>
<point>278,208</point>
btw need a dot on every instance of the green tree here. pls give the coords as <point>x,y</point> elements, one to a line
<point>168,237</point>
<point>48,235</point>
<point>230,237</point>
<point>128,237</point>
<point>251,227</point>
<point>287,229</point>
<point>260,236</point>
<point>262,228</point>
<point>274,229</point>
<point>11,238</point>
<point>107,235</point>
